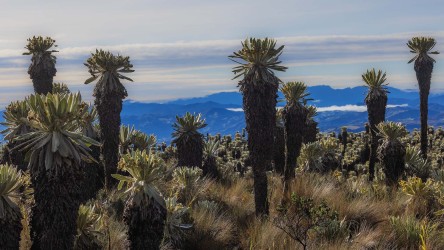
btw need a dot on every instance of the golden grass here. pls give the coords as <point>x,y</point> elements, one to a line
<point>364,208</point>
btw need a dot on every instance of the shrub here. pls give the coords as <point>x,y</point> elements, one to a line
<point>302,217</point>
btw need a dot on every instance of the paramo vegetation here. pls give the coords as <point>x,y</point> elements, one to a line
<point>73,177</point>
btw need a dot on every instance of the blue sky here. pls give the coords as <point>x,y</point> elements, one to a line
<point>179,48</point>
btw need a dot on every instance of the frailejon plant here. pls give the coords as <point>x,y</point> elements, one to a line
<point>392,152</point>
<point>311,126</point>
<point>145,210</point>
<point>376,101</point>
<point>88,228</point>
<point>126,136</point>
<point>176,225</point>
<point>189,140</point>
<point>56,150</point>
<point>424,196</point>
<point>16,122</point>
<point>60,88</point>
<point>109,93</point>
<point>415,164</point>
<point>10,214</point>
<point>422,46</point>
<point>209,166</point>
<point>42,69</point>
<point>295,117</point>
<point>187,184</point>
<point>310,158</point>
<point>258,59</point>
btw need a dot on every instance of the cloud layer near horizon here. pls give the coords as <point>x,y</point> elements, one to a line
<point>179,49</point>
<point>204,66</point>
<point>345,108</point>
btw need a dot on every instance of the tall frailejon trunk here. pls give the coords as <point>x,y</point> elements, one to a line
<point>279,150</point>
<point>190,153</point>
<point>259,103</point>
<point>392,155</point>
<point>365,154</point>
<point>54,214</point>
<point>376,114</point>
<point>423,69</point>
<point>42,85</point>
<point>145,224</point>
<point>93,173</point>
<point>311,130</point>
<point>295,122</point>
<point>42,71</point>
<point>109,108</point>
<point>10,228</point>
<point>209,167</point>
<point>13,157</point>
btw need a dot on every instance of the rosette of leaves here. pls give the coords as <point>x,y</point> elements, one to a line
<point>42,68</point>
<point>209,166</point>
<point>415,164</point>
<point>423,195</point>
<point>60,88</point>
<point>144,171</point>
<point>88,228</point>
<point>145,210</point>
<point>10,214</point>
<point>187,184</point>
<point>126,138</point>
<point>392,152</point>
<point>310,158</point>
<point>16,122</point>
<point>176,226</point>
<point>142,141</point>
<point>55,135</point>
<point>56,150</point>
<point>330,159</point>
<point>188,139</point>
<point>261,59</point>
<point>106,67</point>
<point>133,139</point>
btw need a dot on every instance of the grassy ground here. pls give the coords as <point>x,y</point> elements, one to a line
<point>331,210</point>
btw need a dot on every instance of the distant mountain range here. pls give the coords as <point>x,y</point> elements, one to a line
<point>223,111</point>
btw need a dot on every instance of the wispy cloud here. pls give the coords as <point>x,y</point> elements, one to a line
<point>354,108</point>
<point>196,68</point>
<point>345,108</point>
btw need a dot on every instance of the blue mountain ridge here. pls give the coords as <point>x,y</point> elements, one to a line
<point>157,118</point>
<point>214,109</point>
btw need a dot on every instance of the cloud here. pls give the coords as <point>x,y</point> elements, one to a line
<point>354,108</point>
<point>346,108</point>
<point>298,51</point>
<point>198,67</point>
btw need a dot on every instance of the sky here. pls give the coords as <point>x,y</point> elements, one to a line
<point>180,49</point>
